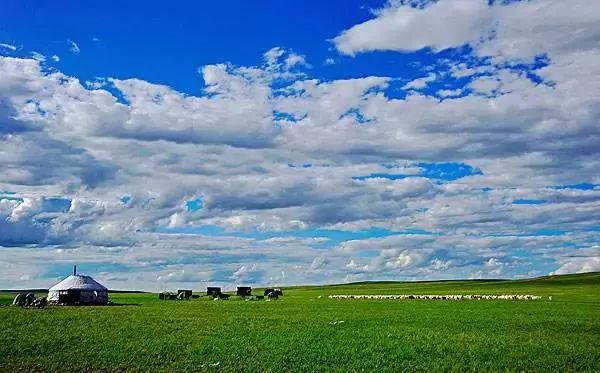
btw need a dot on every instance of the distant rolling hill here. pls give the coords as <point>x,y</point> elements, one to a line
<point>591,278</point>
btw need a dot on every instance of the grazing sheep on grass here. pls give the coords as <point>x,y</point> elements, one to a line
<point>441,297</point>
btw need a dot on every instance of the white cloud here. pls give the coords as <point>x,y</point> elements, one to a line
<point>8,46</point>
<point>293,60</point>
<point>329,61</point>
<point>581,264</point>
<point>248,274</point>
<point>420,83</point>
<point>38,56</point>
<point>405,28</point>
<point>520,29</point>
<point>73,47</point>
<point>450,92</point>
<point>282,62</point>
<point>24,209</point>
<point>494,266</point>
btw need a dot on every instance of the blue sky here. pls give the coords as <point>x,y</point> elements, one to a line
<point>283,142</point>
<point>163,44</point>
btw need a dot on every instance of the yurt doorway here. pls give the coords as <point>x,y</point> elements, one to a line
<point>74,295</point>
<point>71,296</point>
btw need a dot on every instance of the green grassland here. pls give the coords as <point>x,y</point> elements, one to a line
<point>302,332</point>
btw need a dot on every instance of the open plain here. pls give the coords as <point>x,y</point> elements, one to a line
<point>306,331</point>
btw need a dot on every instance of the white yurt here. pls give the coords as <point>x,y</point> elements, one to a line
<point>78,289</point>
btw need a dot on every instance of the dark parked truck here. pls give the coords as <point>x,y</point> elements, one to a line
<point>184,294</point>
<point>244,291</point>
<point>213,291</point>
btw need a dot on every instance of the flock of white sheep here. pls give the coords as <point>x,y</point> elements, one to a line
<point>442,297</point>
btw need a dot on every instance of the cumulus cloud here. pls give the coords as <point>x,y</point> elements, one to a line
<point>580,263</point>
<point>406,27</point>
<point>101,172</point>
<point>519,29</point>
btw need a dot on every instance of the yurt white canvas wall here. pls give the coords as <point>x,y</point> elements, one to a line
<point>78,289</point>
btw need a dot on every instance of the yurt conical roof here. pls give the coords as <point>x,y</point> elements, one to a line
<point>79,282</point>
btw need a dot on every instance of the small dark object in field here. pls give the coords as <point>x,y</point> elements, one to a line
<point>184,294</point>
<point>273,293</point>
<point>41,302</point>
<point>222,297</point>
<point>163,296</point>
<point>195,296</point>
<point>19,300</point>
<point>244,291</point>
<point>212,291</point>
<point>29,299</point>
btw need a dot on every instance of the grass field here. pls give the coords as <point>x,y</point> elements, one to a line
<point>302,332</point>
